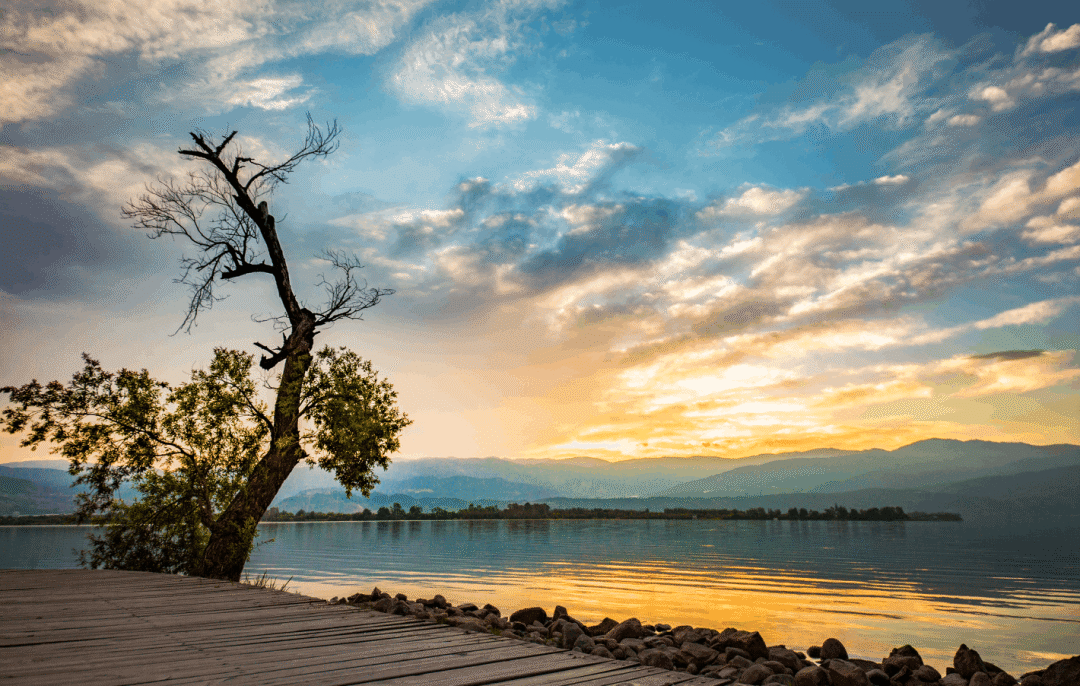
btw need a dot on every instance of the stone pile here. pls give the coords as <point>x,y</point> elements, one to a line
<point>732,657</point>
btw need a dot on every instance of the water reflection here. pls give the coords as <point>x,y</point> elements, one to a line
<point>1013,595</point>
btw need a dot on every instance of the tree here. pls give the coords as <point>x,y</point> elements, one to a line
<point>222,211</point>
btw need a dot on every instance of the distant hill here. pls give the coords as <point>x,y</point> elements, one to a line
<point>25,497</point>
<point>333,500</point>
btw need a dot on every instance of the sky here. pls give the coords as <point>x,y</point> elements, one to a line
<point>614,229</point>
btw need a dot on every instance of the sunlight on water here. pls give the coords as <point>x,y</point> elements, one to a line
<point>1014,596</point>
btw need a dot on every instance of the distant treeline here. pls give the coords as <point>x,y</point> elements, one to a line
<point>543,511</point>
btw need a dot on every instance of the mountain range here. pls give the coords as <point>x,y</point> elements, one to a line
<point>981,479</point>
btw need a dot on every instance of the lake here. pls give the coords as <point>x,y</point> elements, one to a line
<point>1012,594</point>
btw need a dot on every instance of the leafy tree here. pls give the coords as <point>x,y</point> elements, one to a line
<point>222,212</point>
<point>189,451</point>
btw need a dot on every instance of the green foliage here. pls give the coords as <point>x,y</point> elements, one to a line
<point>188,451</point>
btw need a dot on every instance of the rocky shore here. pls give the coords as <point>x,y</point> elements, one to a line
<point>731,656</point>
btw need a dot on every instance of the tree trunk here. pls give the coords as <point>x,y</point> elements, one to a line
<point>232,535</point>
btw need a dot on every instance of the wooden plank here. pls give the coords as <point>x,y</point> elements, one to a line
<point>59,627</point>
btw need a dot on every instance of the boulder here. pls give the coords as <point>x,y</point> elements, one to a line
<point>473,624</point>
<point>654,657</point>
<point>491,609</point>
<point>953,679</point>
<point>740,662</point>
<point>877,677</point>
<point>1031,679</point>
<point>697,654</point>
<point>584,643</point>
<point>401,596</point>
<point>1062,673</point>
<point>927,673</point>
<point>980,679</point>
<point>904,656</point>
<point>755,674</point>
<point>751,642</point>
<point>864,665</point>
<point>571,632</point>
<point>780,680</point>
<point>776,667</point>
<point>603,627</point>
<point>812,676</point>
<point>833,649</point>
<point>1003,679</point>
<point>634,644</point>
<point>601,651</point>
<point>786,657</point>
<point>844,673</point>
<point>967,662</point>
<point>383,604</point>
<point>732,651</point>
<point>630,628</point>
<point>439,602</point>
<point>682,634</point>
<point>529,615</point>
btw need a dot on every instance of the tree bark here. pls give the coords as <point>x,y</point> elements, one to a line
<point>232,534</point>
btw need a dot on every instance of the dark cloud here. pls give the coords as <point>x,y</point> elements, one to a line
<point>1009,355</point>
<point>53,248</point>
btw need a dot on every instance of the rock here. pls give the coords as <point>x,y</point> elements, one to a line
<point>383,604</point>
<point>601,651</point>
<point>682,634</point>
<point>991,668</point>
<point>1032,679</point>
<point>751,642</point>
<point>812,676</point>
<point>755,674</point>
<point>864,665</point>
<point>1061,673</point>
<point>474,625</point>
<point>697,654</point>
<point>833,649</point>
<point>781,679</point>
<point>584,643</point>
<point>979,679</point>
<point>732,651</point>
<point>904,656</point>
<point>631,628</point>
<point>776,667</point>
<point>439,602</point>
<point>401,596</point>
<point>571,632</point>
<point>877,677</point>
<point>927,673</point>
<point>814,652</point>
<point>740,662</point>
<point>953,679</point>
<point>654,657</point>
<point>529,615</point>
<point>662,627</point>
<point>603,627</point>
<point>1003,679</point>
<point>786,657</point>
<point>560,613</point>
<point>967,662</point>
<point>635,644</point>
<point>491,609</point>
<point>844,673</point>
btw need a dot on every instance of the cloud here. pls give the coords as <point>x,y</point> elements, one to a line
<point>1052,40</point>
<point>756,200</point>
<point>576,174</point>
<point>456,61</point>
<point>48,52</point>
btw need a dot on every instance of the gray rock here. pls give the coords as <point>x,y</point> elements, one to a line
<point>1032,679</point>
<point>601,651</point>
<point>383,604</point>
<point>584,643</point>
<point>864,665</point>
<point>927,673</point>
<point>980,679</point>
<point>833,649</point>
<point>697,654</point>
<point>844,673</point>
<point>571,632</point>
<point>812,676</point>
<point>603,627</point>
<point>877,677</point>
<point>1062,673</point>
<point>751,642</point>
<point>529,615</point>
<point>953,679</point>
<point>786,657</point>
<point>967,662</point>
<point>439,602</point>
<point>654,657</point>
<point>755,674</point>
<point>631,628</point>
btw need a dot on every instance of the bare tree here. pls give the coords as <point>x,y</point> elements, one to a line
<point>223,211</point>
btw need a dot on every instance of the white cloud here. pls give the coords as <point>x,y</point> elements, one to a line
<point>756,200</point>
<point>1052,40</point>
<point>964,120</point>
<point>574,173</point>
<point>452,63</point>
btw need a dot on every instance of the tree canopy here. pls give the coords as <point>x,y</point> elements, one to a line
<point>207,457</point>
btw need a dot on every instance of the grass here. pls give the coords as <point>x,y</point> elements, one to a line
<point>266,581</point>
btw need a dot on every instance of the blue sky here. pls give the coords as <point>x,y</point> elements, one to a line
<point>614,229</point>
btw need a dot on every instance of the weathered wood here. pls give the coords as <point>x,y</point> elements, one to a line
<point>59,627</point>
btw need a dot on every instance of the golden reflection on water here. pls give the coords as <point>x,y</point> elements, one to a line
<point>796,604</point>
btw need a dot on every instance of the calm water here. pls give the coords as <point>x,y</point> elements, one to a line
<point>1012,595</point>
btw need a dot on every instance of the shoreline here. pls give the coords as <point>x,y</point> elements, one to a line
<point>734,657</point>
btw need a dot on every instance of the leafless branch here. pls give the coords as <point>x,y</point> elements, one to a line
<point>349,295</point>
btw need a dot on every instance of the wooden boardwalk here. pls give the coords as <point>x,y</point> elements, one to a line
<point>68,627</point>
